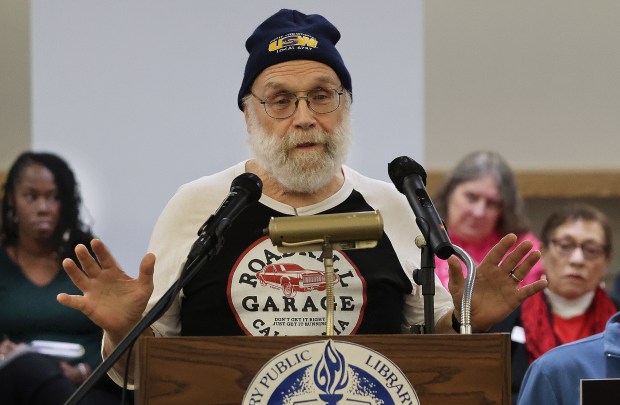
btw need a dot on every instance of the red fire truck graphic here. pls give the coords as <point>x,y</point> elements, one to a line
<point>291,278</point>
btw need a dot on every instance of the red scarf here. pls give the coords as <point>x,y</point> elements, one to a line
<point>537,321</point>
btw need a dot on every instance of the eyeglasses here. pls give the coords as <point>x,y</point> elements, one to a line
<point>591,250</point>
<point>283,105</point>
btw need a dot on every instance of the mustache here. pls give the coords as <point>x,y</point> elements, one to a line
<point>297,137</point>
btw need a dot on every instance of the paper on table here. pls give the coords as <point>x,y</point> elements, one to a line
<point>63,350</point>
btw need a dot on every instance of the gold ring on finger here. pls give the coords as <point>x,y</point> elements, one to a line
<point>515,278</point>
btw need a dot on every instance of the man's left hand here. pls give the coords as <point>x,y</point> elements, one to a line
<point>496,293</point>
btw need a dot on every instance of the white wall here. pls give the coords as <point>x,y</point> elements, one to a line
<point>14,80</point>
<point>537,81</point>
<point>140,96</point>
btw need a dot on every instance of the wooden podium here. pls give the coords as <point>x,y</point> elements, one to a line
<point>443,369</point>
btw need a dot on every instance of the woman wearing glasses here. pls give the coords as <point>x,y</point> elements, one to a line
<point>576,251</point>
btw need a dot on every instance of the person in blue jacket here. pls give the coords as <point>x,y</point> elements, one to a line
<point>554,377</point>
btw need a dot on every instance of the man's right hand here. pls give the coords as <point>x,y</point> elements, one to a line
<point>111,299</point>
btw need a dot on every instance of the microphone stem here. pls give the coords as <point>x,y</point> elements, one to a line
<point>328,262</point>
<point>469,287</point>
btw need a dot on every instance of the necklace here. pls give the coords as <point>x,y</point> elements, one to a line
<point>40,270</point>
<point>33,257</point>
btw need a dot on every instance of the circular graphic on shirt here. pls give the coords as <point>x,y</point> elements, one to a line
<point>273,293</point>
<point>330,372</point>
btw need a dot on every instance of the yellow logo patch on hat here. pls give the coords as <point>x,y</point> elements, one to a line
<point>292,41</point>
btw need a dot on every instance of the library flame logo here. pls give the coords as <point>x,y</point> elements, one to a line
<point>330,372</point>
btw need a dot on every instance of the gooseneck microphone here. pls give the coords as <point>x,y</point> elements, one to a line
<point>409,178</point>
<point>245,189</point>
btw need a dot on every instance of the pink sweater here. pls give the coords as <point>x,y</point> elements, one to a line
<point>478,250</point>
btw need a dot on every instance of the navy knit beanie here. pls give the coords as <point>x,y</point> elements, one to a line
<point>290,35</point>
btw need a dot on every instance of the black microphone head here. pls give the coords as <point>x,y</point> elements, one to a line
<point>402,167</point>
<point>250,184</point>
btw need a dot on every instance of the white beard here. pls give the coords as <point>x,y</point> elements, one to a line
<point>305,172</point>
